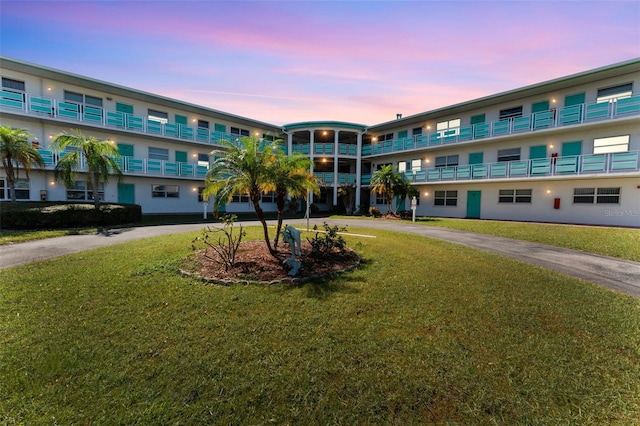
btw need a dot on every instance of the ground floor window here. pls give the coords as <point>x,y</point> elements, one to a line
<point>81,191</point>
<point>22,189</point>
<point>240,198</point>
<point>269,197</point>
<point>380,198</point>
<point>321,198</point>
<point>445,198</point>
<point>596,195</point>
<point>165,191</point>
<point>514,196</point>
<point>200,197</point>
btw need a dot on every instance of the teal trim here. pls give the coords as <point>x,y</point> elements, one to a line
<point>594,163</point>
<point>11,99</point>
<point>482,130</point>
<point>518,168</point>
<point>538,151</point>
<point>135,123</point>
<point>567,165</point>
<point>181,119</point>
<point>473,204</point>
<point>171,129</point>
<point>543,119</point>
<point>570,115</point>
<point>181,156</point>
<point>522,123</point>
<point>41,105</point>
<point>402,134</point>
<point>68,110</point>
<point>570,149</point>
<point>624,161</point>
<point>595,111</point>
<point>628,105</point>
<point>340,125</point>
<point>572,100</point>
<point>115,119</point>
<point>541,166</point>
<point>171,168</point>
<point>498,170</point>
<point>501,127</point>
<point>219,127</point>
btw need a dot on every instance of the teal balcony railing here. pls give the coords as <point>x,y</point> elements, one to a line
<point>327,178</point>
<point>573,115</point>
<point>138,166</point>
<point>72,112</point>
<point>619,162</point>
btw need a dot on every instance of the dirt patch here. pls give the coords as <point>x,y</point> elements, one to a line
<point>254,264</point>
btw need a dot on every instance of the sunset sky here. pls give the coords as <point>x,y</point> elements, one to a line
<point>290,61</point>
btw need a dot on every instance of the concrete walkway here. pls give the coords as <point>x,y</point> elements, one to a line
<point>619,275</point>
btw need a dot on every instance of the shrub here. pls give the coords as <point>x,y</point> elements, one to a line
<point>329,242</point>
<point>374,212</point>
<point>56,215</point>
<point>227,244</point>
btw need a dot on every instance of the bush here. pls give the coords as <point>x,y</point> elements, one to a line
<point>56,215</point>
<point>329,243</point>
<point>374,212</point>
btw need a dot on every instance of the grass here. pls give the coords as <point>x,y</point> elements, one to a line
<point>11,237</point>
<point>456,335</point>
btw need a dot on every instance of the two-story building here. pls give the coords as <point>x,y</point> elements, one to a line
<point>565,150</point>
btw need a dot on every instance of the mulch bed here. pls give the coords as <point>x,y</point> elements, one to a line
<point>254,264</point>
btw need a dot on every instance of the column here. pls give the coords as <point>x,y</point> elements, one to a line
<point>311,148</point>
<point>336,134</point>
<point>358,169</point>
<point>290,143</point>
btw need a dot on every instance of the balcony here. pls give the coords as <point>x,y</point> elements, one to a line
<point>327,149</point>
<point>139,166</point>
<point>622,162</point>
<point>75,113</point>
<point>343,178</point>
<point>573,115</point>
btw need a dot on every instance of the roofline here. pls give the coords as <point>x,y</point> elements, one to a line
<point>581,77</point>
<point>43,71</point>
<point>324,124</point>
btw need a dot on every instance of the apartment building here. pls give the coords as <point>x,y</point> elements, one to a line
<point>564,151</point>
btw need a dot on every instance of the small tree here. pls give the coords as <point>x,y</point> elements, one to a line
<point>383,182</point>
<point>16,152</point>
<point>347,194</point>
<point>227,244</point>
<point>99,157</point>
<point>403,190</point>
<point>241,168</point>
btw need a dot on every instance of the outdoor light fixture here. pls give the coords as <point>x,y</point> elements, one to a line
<point>548,191</point>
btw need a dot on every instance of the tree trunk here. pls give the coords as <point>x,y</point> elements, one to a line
<point>93,181</point>
<point>280,201</point>
<point>255,199</point>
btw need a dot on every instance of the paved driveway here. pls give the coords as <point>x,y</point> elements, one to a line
<point>619,275</point>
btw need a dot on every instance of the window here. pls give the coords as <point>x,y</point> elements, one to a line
<point>509,113</point>
<point>81,99</point>
<point>158,154</point>
<point>165,191</point>
<point>9,83</point>
<point>4,192</point>
<point>387,137</point>
<point>611,94</point>
<point>416,131</point>
<point>599,195</point>
<point>238,131</point>
<point>511,154</point>
<point>237,198</point>
<point>445,198</point>
<point>612,144</point>
<point>160,116</point>
<point>381,199</point>
<point>22,190</point>
<point>200,198</point>
<point>269,197</point>
<point>416,165</point>
<point>203,159</point>
<point>402,166</point>
<point>269,138</point>
<point>322,198</point>
<point>81,191</point>
<point>203,124</point>
<point>446,125</point>
<point>514,196</point>
<point>447,161</point>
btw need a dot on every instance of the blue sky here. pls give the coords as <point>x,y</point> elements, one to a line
<point>289,61</point>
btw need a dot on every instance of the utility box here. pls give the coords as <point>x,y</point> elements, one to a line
<point>43,195</point>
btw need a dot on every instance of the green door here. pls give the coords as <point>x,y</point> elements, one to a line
<point>473,204</point>
<point>570,149</point>
<point>475,158</point>
<point>571,100</point>
<point>181,157</point>
<point>126,193</point>
<point>125,150</point>
<point>540,107</point>
<point>539,151</point>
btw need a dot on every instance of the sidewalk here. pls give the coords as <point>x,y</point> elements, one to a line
<point>620,275</point>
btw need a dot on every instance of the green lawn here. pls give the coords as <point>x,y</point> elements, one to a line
<point>454,335</point>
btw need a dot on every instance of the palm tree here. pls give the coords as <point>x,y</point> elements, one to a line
<point>99,158</point>
<point>17,152</point>
<point>383,182</point>
<point>403,190</point>
<point>241,169</point>
<point>289,175</point>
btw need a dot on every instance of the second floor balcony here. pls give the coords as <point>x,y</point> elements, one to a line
<point>139,166</point>
<point>580,165</point>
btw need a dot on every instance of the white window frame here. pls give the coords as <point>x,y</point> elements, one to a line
<point>444,198</point>
<point>514,196</point>
<point>611,144</point>
<point>607,195</point>
<point>615,92</point>
<point>416,165</point>
<point>165,191</point>
<point>82,191</point>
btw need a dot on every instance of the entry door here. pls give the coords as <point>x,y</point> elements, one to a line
<point>126,193</point>
<point>473,204</point>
